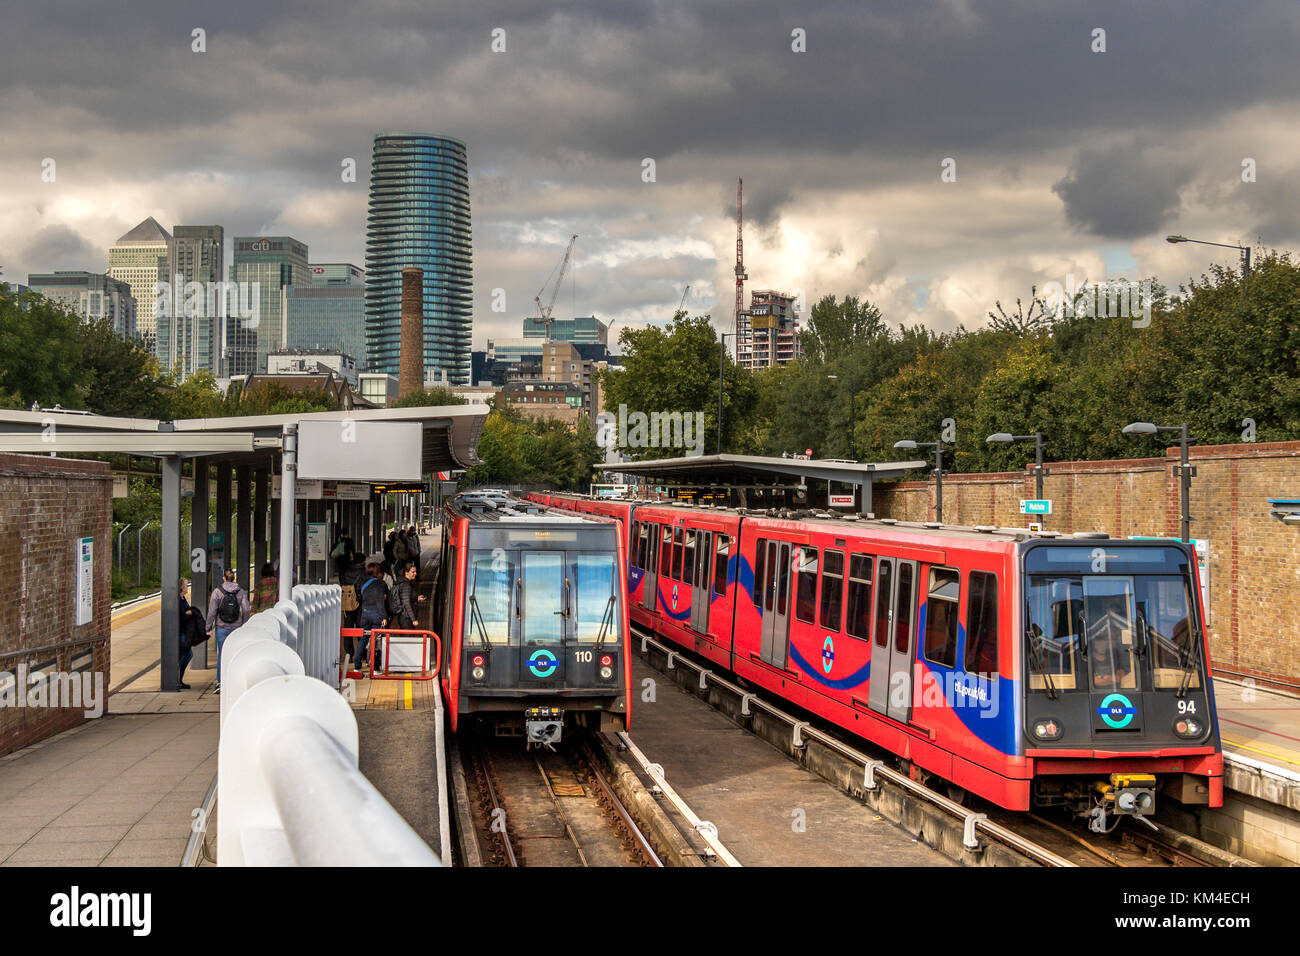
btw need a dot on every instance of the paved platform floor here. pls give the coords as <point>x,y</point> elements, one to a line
<point>1258,723</point>
<point>755,795</point>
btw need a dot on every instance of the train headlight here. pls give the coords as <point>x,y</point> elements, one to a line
<point>1047,728</point>
<point>1188,727</point>
<point>606,666</point>
<point>478,667</point>
<point>606,673</point>
<point>478,673</point>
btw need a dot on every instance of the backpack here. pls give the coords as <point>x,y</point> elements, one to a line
<point>350,600</point>
<point>228,611</point>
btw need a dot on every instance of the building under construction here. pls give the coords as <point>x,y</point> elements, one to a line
<point>768,334</point>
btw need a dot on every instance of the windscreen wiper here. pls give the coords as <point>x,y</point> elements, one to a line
<point>476,616</point>
<point>606,621</point>
<point>1189,664</point>
<point>1036,658</point>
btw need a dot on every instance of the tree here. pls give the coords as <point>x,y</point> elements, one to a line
<point>40,352</point>
<point>836,329</point>
<point>675,370</point>
<point>1037,319</point>
<point>117,377</point>
<point>429,397</point>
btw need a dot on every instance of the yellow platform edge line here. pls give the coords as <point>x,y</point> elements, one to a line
<point>135,613</point>
<point>1292,759</point>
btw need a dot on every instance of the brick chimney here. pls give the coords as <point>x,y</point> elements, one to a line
<point>411,368</point>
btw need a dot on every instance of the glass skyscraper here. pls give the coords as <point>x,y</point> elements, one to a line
<point>419,216</point>
<point>267,265</point>
<point>330,313</point>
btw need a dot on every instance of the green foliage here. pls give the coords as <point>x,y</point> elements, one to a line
<point>41,349</point>
<point>143,503</point>
<point>675,369</point>
<point>513,449</point>
<point>429,397</point>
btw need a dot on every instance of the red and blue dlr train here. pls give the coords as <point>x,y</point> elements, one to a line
<point>1027,669</point>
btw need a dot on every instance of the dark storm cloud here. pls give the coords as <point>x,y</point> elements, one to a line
<point>557,126</point>
<point>1120,193</point>
<point>59,247</point>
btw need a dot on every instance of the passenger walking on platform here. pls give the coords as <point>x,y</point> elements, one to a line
<point>374,606</point>
<point>227,611</point>
<point>191,631</point>
<point>342,554</point>
<point>413,545</point>
<point>268,589</point>
<point>406,596</point>
<point>353,577</point>
<point>389,545</point>
<point>401,553</point>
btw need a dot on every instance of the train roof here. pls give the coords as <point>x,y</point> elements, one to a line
<point>492,508</point>
<point>828,520</point>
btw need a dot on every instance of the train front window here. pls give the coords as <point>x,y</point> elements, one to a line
<point>1129,627</point>
<point>544,597</point>
<point>487,611</point>
<point>595,612</point>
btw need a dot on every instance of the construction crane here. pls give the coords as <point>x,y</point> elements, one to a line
<point>740,258</point>
<point>685,292</point>
<point>545,310</point>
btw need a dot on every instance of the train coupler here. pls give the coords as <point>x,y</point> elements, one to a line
<point>1125,794</point>
<point>543,726</point>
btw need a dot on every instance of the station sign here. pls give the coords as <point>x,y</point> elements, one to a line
<point>85,604</point>
<point>841,501</point>
<point>398,488</point>
<point>303,488</point>
<point>1035,506</point>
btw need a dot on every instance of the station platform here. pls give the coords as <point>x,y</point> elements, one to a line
<point>755,795</point>
<point>1260,724</point>
<point>120,790</point>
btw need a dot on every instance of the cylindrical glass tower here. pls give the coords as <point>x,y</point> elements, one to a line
<point>419,216</point>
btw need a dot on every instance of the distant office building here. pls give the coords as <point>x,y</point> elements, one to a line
<point>582,329</point>
<point>330,313</point>
<point>563,363</point>
<point>378,388</point>
<point>769,331</point>
<point>189,313</point>
<point>91,295</point>
<point>313,362</point>
<point>139,259</point>
<point>270,265</point>
<point>419,216</point>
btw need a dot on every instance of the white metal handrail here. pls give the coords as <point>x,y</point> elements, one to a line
<point>289,791</point>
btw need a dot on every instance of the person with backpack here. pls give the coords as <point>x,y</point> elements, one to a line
<point>413,545</point>
<point>191,632</point>
<point>373,595</point>
<point>342,554</point>
<point>227,611</point>
<point>404,599</point>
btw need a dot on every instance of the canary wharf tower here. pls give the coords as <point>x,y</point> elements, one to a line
<point>419,217</point>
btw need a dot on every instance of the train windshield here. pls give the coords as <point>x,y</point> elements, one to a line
<point>549,597</point>
<point>1123,621</point>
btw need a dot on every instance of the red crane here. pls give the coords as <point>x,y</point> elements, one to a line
<point>740,257</point>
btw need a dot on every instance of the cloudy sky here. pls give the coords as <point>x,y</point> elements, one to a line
<point>1067,161</point>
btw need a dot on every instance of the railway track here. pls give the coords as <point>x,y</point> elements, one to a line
<point>548,808</point>
<point>1031,839</point>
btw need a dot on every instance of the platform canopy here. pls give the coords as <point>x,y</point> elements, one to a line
<point>738,470</point>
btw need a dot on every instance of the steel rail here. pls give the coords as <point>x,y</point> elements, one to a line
<point>638,837</point>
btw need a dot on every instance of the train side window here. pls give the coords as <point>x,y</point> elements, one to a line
<point>760,566</point>
<point>982,623</point>
<point>940,644</point>
<point>884,585</point>
<point>722,549</point>
<point>688,558</point>
<point>903,612</point>
<point>832,589</point>
<point>637,535</point>
<point>677,555</point>
<point>805,599</point>
<point>783,580</point>
<point>859,623</point>
<point>666,552</point>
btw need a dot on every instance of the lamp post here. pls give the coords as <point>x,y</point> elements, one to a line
<point>1039,471</point>
<point>1245,250</point>
<point>1184,470</point>
<point>907,445</point>
<point>722,361</point>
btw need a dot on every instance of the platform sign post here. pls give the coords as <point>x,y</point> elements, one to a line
<point>85,581</point>
<point>1035,506</point>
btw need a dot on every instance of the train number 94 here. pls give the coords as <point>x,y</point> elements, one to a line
<point>1187,706</point>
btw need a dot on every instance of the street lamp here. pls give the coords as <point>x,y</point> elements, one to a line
<point>1245,270</point>
<point>722,361</point>
<point>1039,471</point>
<point>907,445</point>
<point>1184,470</point>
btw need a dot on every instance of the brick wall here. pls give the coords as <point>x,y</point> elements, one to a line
<point>1254,558</point>
<point>46,504</point>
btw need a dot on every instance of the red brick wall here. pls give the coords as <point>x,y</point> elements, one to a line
<point>1254,558</point>
<point>46,504</point>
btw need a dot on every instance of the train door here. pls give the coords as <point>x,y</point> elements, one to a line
<point>545,599</point>
<point>892,648</point>
<point>649,564</point>
<point>776,593</point>
<point>700,581</point>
